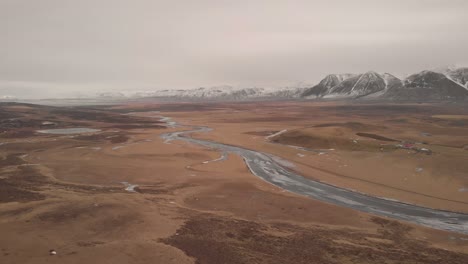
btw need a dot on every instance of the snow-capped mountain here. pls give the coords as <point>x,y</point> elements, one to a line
<point>428,85</point>
<point>323,88</point>
<point>448,83</point>
<point>358,86</point>
<point>455,73</point>
<point>286,93</point>
<point>354,86</point>
<point>210,93</point>
<point>225,93</point>
<point>391,82</point>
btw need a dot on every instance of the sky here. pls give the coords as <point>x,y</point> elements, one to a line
<point>62,48</point>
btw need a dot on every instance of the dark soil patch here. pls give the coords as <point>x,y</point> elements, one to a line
<point>297,138</point>
<point>27,177</point>
<point>374,136</point>
<point>16,212</point>
<point>12,193</point>
<point>261,133</point>
<point>398,120</point>
<point>22,184</point>
<point>5,113</point>
<point>89,243</point>
<point>213,239</point>
<point>17,133</point>
<point>26,182</point>
<point>116,120</point>
<point>27,147</point>
<point>20,123</point>
<point>68,213</point>
<point>351,125</point>
<point>119,139</point>
<point>459,123</point>
<point>11,160</point>
<point>104,219</point>
<point>262,119</point>
<point>86,188</point>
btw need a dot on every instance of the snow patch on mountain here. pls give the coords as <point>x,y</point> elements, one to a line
<point>210,93</point>
<point>456,73</point>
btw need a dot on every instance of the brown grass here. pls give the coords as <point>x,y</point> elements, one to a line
<point>212,239</point>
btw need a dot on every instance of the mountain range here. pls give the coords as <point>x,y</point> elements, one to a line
<point>225,93</point>
<point>442,84</point>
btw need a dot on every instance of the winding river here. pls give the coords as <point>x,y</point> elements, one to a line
<point>265,167</point>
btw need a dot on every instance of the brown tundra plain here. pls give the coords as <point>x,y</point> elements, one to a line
<point>105,184</point>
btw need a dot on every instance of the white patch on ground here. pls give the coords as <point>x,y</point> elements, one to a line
<point>276,177</point>
<point>383,198</point>
<point>276,134</point>
<point>451,226</point>
<point>318,151</point>
<point>129,187</point>
<point>223,157</point>
<point>343,200</point>
<point>283,162</point>
<point>118,147</point>
<point>167,120</point>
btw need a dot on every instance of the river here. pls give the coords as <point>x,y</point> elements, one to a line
<point>264,166</point>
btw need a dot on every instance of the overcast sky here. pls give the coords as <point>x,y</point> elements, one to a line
<point>62,47</point>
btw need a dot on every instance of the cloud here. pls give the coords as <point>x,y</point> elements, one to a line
<point>65,46</point>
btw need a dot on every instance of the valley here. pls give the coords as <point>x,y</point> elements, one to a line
<point>131,190</point>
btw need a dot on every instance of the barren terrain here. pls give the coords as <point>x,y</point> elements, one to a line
<point>124,195</point>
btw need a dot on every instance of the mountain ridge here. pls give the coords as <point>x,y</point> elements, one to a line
<point>442,84</point>
<point>450,84</point>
